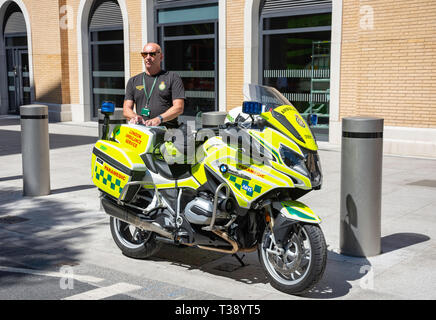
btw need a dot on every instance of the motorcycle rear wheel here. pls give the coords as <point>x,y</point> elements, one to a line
<point>133,242</point>
<point>301,264</point>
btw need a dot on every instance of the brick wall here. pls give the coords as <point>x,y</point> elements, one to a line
<point>44,19</point>
<point>135,31</point>
<point>55,59</point>
<point>70,62</point>
<point>235,52</point>
<point>388,69</point>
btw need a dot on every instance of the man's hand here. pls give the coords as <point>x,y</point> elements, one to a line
<point>137,120</point>
<point>153,122</point>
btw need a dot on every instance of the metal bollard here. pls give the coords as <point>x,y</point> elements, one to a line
<point>361,184</point>
<point>116,119</point>
<point>35,150</point>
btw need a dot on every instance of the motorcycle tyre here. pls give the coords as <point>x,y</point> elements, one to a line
<point>316,269</point>
<point>150,247</point>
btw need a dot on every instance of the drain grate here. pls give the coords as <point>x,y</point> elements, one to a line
<point>12,220</point>
<point>424,183</point>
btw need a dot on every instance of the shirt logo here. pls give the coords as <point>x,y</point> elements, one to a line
<point>140,87</point>
<point>162,86</point>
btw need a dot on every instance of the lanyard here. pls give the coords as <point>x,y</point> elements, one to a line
<point>148,96</point>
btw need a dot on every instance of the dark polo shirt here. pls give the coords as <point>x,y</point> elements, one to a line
<point>168,86</point>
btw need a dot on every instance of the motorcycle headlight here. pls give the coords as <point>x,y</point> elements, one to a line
<point>293,160</point>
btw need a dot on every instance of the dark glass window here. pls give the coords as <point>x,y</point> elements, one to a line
<point>16,41</point>
<point>305,21</point>
<point>107,59</point>
<point>296,60</point>
<point>190,55</point>
<point>109,35</point>
<point>189,30</point>
<point>191,51</point>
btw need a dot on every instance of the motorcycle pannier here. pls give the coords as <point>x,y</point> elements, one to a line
<point>113,166</point>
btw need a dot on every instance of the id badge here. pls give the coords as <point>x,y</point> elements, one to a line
<point>145,111</point>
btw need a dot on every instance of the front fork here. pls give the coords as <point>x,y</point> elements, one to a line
<point>269,219</point>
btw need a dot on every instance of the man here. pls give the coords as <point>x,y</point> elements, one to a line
<point>158,94</point>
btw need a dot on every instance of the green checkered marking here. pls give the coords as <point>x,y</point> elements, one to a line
<point>244,185</point>
<point>108,180</point>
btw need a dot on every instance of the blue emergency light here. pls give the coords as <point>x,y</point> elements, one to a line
<point>107,107</point>
<point>313,119</point>
<point>251,107</point>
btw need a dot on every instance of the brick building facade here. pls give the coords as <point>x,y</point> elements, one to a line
<point>382,57</point>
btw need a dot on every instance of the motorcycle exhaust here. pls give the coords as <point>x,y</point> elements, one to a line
<point>125,215</point>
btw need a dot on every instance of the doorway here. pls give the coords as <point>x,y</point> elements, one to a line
<point>15,40</point>
<point>17,60</point>
<point>106,47</point>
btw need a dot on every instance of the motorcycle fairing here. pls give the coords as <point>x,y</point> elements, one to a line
<point>276,139</point>
<point>296,210</point>
<point>287,119</point>
<point>137,138</point>
<point>246,180</point>
<point>273,140</point>
<point>162,183</point>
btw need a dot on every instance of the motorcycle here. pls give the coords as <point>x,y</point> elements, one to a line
<point>237,193</point>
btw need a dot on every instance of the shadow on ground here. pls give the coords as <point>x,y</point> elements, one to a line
<point>10,141</point>
<point>340,271</point>
<point>32,238</point>
<point>38,235</point>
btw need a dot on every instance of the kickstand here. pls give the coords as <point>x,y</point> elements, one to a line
<point>239,259</point>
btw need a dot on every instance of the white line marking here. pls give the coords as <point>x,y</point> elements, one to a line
<point>101,293</point>
<point>81,278</point>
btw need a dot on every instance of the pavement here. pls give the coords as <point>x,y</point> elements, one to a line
<point>40,235</point>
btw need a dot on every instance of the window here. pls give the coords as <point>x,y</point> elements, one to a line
<point>107,55</point>
<point>295,59</point>
<point>188,37</point>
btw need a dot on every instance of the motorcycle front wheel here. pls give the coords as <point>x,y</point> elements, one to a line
<point>133,242</point>
<point>299,264</point>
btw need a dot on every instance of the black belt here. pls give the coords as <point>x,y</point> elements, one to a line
<point>362,135</point>
<point>42,116</point>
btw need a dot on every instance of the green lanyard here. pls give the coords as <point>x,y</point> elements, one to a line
<point>148,96</point>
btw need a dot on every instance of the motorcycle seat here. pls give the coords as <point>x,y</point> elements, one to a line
<point>168,171</point>
<point>173,171</point>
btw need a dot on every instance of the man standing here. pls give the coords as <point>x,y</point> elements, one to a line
<point>158,94</point>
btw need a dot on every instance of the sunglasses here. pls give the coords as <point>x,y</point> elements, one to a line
<point>152,54</point>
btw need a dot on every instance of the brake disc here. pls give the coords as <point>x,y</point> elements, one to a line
<point>288,262</point>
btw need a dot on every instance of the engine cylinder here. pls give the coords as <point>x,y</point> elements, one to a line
<point>200,210</point>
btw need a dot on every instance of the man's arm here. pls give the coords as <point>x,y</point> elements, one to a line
<point>129,113</point>
<point>173,112</point>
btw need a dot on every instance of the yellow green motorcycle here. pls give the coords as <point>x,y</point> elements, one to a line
<point>230,185</point>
